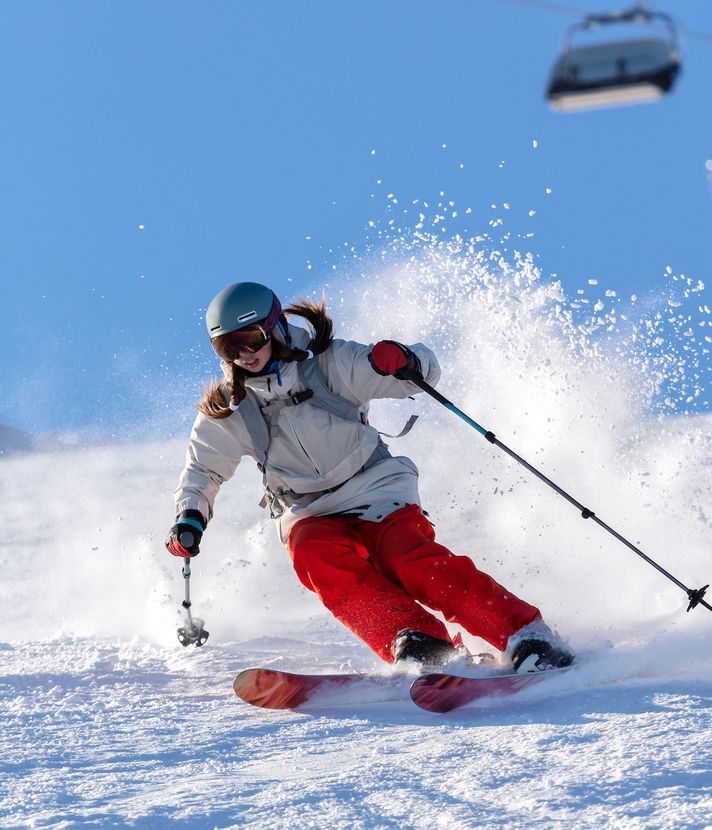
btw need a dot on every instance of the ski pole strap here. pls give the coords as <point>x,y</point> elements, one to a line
<point>410,423</point>
<point>695,596</point>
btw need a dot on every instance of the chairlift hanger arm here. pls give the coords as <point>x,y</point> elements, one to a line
<point>636,14</point>
<point>577,11</point>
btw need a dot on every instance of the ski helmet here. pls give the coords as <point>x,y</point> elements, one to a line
<point>240,305</point>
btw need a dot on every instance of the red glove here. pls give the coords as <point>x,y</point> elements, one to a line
<point>390,358</point>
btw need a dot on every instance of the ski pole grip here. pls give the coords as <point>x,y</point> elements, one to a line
<point>414,376</point>
<point>409,374</point>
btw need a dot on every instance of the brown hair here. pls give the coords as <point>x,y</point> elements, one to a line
<point>219,395</point>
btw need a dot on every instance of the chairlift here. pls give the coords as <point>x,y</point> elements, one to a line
<point>617,72</point>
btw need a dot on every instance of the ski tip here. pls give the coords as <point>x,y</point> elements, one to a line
<point>269,689</point>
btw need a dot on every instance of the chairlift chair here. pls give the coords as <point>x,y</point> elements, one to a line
<point>615,72</point>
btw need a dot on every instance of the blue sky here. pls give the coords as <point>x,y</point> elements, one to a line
<point>154,152</point>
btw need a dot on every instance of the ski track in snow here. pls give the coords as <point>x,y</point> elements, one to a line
<point>107,722</point>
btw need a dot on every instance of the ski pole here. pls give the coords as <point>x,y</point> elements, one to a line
<point>193,632</point>
<point>695,596</point>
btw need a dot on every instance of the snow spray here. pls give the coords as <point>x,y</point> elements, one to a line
<point>600,392</point>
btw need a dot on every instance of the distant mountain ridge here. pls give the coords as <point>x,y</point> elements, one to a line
<point>14,440</point>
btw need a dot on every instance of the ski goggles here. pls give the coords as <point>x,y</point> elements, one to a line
<point>250,339</point>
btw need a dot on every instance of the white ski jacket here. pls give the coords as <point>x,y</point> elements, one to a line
<point>316,463</point>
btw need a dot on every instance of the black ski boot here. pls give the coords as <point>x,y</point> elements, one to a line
<point>424,649</point>
<point>535,647</point>
<point>538,655</point>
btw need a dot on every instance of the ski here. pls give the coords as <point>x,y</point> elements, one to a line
<point>272,689</point>
<point>444,692</point>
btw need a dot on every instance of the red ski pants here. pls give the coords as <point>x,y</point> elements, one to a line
<point>375,578</point>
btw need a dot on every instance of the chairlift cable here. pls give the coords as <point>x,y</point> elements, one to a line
<point>706,36</point>
<point>546,6</point>
<point>577,11</point>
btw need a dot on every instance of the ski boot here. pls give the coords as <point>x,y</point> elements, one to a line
<point>537,648</point>
<point>424,649</point>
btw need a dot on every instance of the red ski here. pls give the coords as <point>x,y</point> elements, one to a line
<point>273,689</point>
<point>443,692</point>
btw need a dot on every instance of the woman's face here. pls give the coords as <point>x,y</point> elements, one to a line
<point>255,361</point>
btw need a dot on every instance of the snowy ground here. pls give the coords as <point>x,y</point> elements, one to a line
<point>101,734</point>
<point>106,721</point>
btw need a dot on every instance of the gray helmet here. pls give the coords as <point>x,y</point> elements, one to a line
<point>240,305</point>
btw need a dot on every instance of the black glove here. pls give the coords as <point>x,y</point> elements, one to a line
<point>184,537</point>
<point>390,358</point>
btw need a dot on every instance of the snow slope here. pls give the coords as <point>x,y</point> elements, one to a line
<point>105,734</point>
<point>107,722</point>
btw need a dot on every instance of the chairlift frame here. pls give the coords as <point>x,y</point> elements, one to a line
<point>566,92</point>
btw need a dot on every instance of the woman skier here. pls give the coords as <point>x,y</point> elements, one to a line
<point>296,401</point>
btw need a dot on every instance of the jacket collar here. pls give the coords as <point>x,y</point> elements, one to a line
<point>268,386</point>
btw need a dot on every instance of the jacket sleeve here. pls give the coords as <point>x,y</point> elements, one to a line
<point>362,383</point>
<point>213,455</point>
